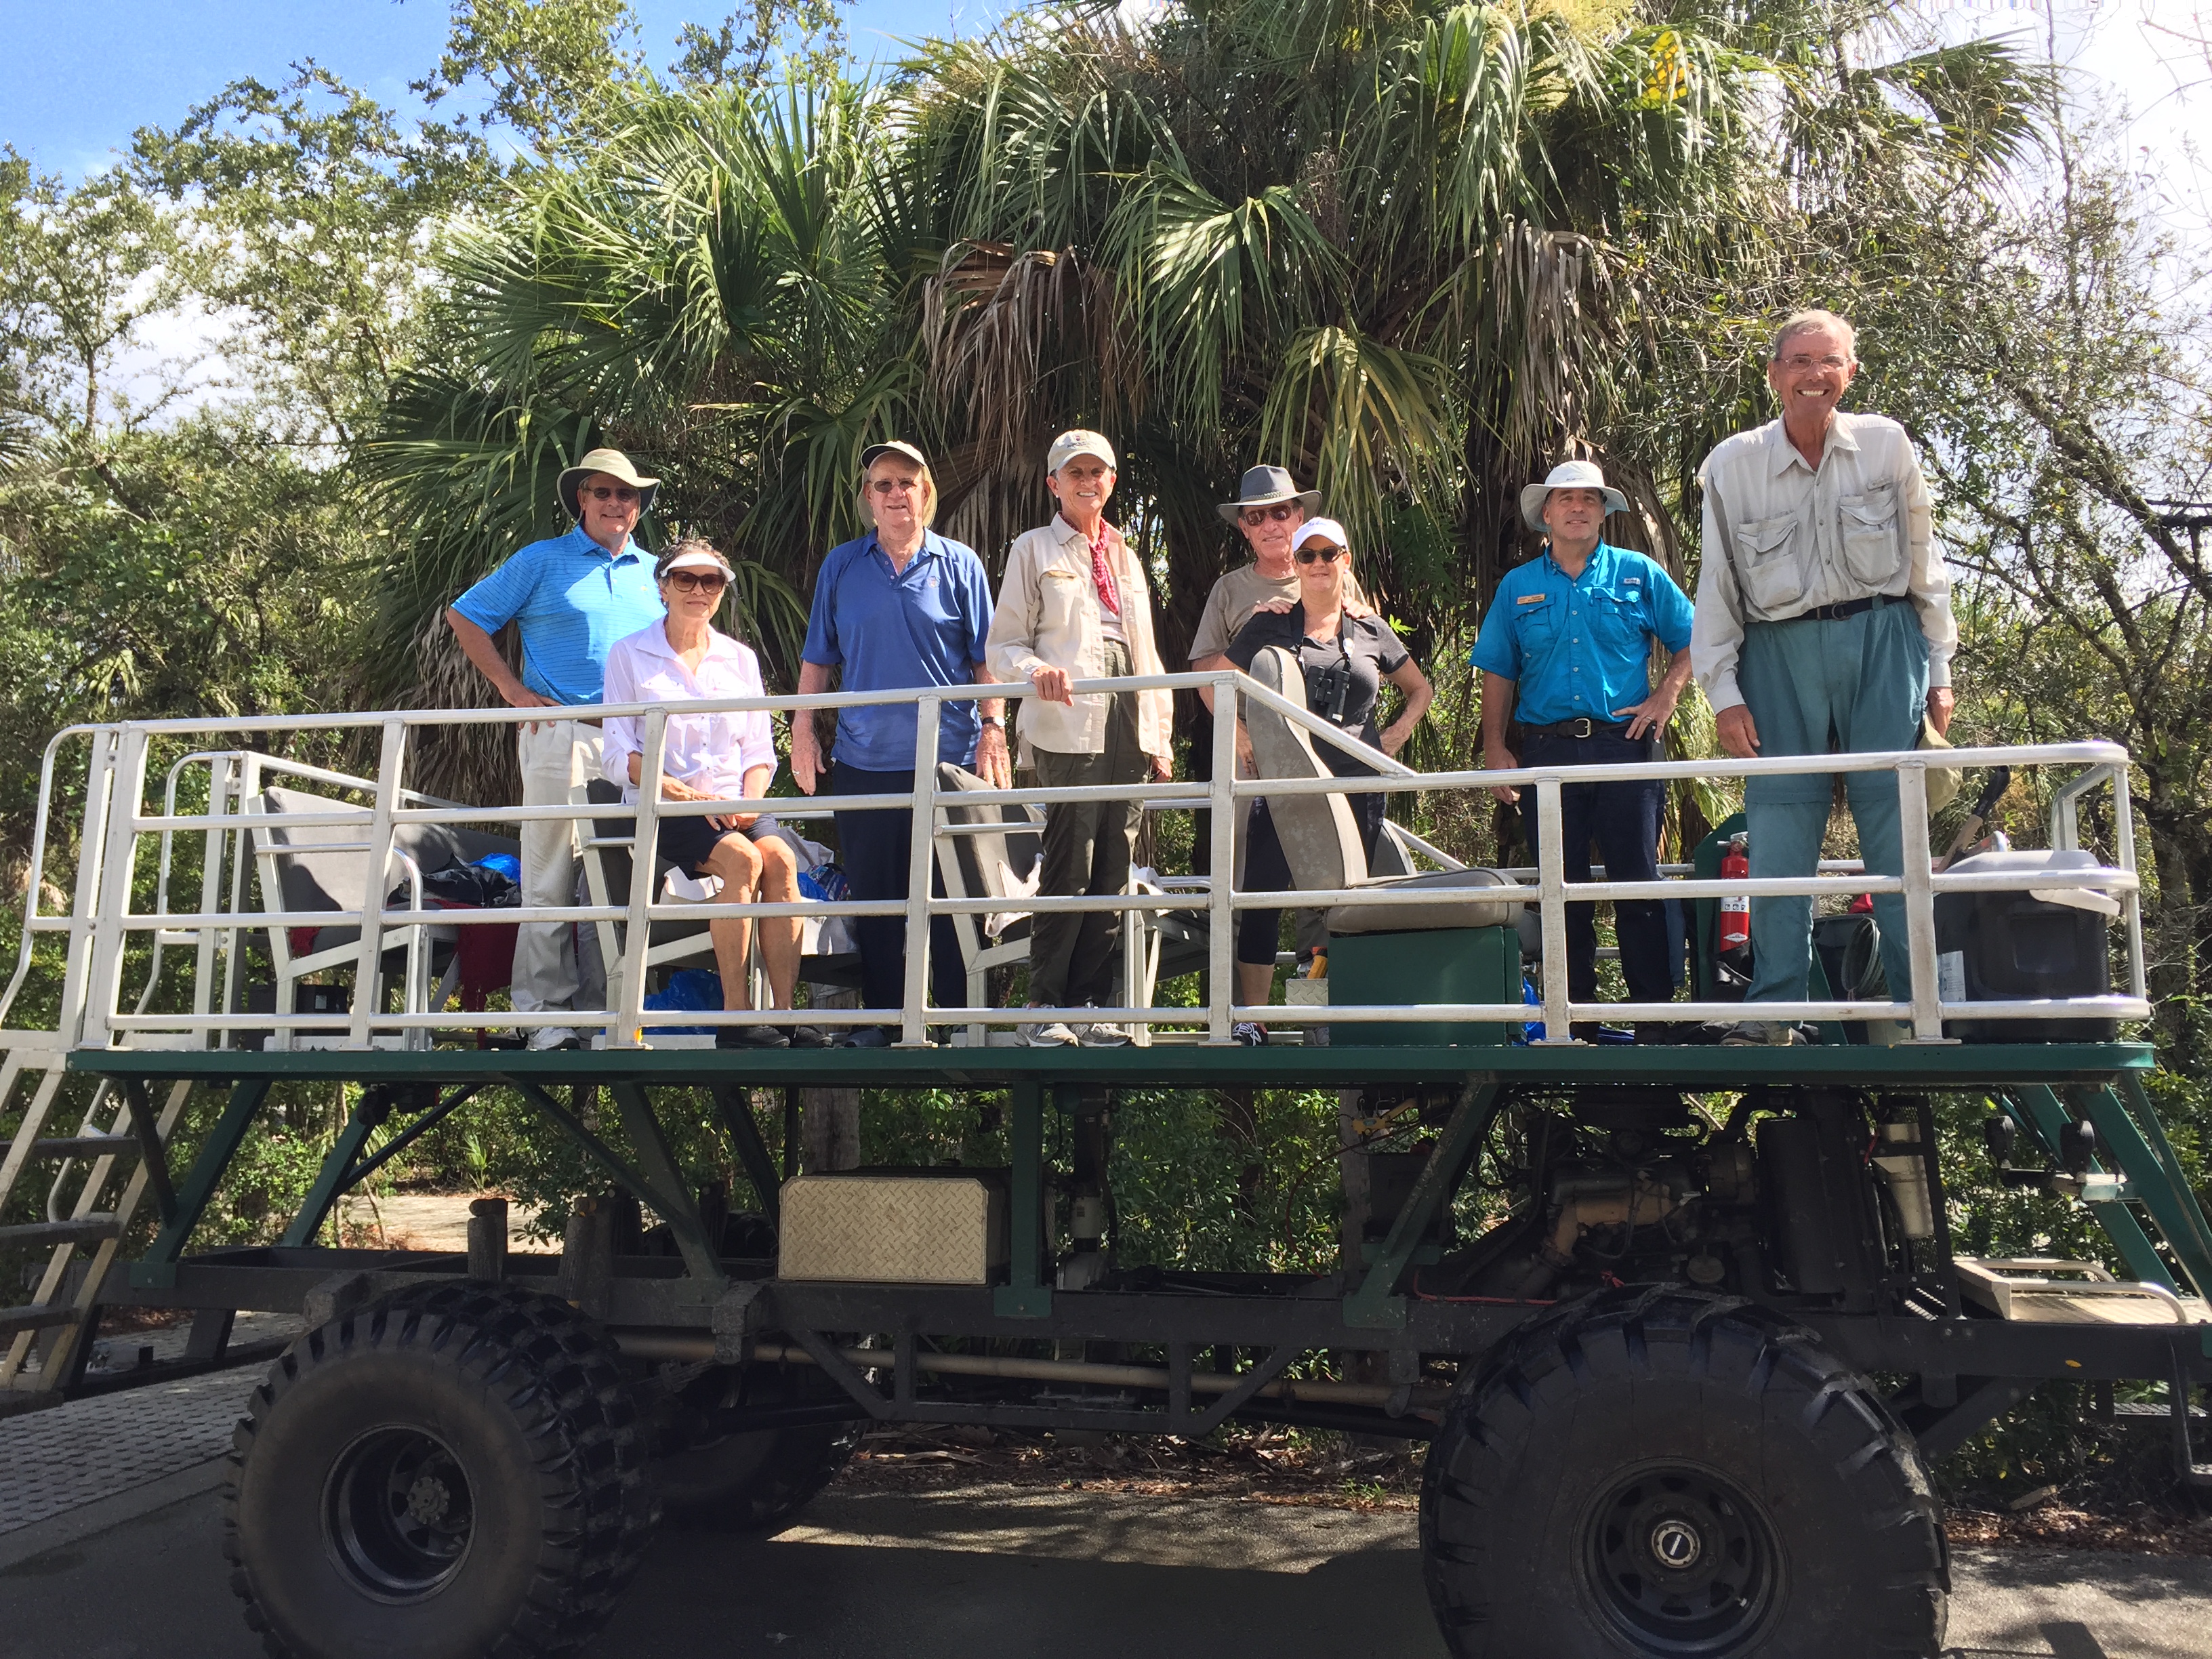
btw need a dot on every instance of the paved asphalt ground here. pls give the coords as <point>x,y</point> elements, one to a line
<point>117,1570</point>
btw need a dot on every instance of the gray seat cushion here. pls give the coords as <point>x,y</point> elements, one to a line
<point>1458,903</point>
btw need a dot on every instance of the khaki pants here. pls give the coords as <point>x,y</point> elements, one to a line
<point>1087,847</point>
<point>556,756</point>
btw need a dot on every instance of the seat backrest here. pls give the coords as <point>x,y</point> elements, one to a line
<point>1319,835</point>
<point>334,879</point>
<point>992,859</point>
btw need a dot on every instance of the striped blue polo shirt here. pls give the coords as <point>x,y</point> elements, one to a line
<point>572,600</point>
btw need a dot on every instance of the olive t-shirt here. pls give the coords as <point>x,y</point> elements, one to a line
<point>1230,606</point>
<point>1368,644</point>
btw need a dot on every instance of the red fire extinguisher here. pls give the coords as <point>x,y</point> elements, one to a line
<point>1732,946</point>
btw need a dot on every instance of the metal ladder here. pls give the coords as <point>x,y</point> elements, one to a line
<point>119,1130</point>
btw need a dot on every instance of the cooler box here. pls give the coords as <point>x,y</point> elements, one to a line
<point>1460,949</point>
<point>895,1227</point>
<point>1996,947</point>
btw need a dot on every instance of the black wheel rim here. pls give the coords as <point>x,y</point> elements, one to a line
<point>398,1514</point>
<point>1681,1561</point>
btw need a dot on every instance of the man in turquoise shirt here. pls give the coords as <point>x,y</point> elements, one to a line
<point>570,597</point>
<point>1572,629</point>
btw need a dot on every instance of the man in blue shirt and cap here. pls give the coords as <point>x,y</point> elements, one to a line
<point>901,608</point>
<point>1572,628</point>
<point>570,597</point>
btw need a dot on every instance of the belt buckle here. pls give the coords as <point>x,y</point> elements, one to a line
<point>1583,721</point>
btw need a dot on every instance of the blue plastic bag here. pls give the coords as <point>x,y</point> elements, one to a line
<point>690,990</point>
<point>826,883</point>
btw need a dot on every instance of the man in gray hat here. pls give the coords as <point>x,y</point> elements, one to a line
<point>570,597</point>
<point>1824,626</point>
<point>1570,634</point>
<point>1268,510</point>
<point>1074,606</point>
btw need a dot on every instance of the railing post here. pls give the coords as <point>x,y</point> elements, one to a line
<point>368,968</point>
<point>220,770</point>
<point>922,852</point>
<point>118,864</point>
<point>1552,882</point>
<point>1221,863</point>
<point>626,1029</point>
<point>1925,995</point>
<point>84,907</point>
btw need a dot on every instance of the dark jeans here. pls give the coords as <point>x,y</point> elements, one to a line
<point>1267,870</point>
<point>1624,818</point>
<point>1087,845</point>
<point>874,849</point>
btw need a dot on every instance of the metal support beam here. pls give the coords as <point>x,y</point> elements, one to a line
<point>680,1210</point>
<point>1375,1304</point>
<point>158,1268</point>
<point>595,1149</point>
<point>2039,1108</point>
<point>2138,1141</point>
<point>735,1102</point>
<point>151,1156</point>
<point>1027,1292</point>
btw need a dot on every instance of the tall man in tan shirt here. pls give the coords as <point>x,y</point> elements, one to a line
<point>1074,607</point>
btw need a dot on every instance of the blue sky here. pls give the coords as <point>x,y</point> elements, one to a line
<point>88,73</point>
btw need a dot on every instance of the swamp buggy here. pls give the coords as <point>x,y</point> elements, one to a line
<point>1682,1386</point>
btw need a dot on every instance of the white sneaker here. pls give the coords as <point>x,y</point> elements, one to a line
<point>1103,1035</point>
<point>1049,1034</point>
<point>553,1037</point>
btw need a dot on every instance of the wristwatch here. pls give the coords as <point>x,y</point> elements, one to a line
<point>999,720</point>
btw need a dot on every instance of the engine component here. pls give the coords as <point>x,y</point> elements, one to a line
<point>1904,1168</point>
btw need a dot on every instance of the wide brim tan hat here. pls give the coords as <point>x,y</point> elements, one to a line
<point>1568,475</point>
<point>1264,486</point>
<point>615,465</point>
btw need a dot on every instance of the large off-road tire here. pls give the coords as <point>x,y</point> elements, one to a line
<point>1665,1472</point>
<point>710,1479</point>
<point>455,1473</point>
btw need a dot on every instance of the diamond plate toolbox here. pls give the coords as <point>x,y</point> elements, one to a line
<point>903,1228</point>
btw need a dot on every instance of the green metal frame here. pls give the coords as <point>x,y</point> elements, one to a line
<point>157,1269</point>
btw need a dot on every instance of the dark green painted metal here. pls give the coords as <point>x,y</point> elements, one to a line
<point>736,1106</point>
<point>1377,1304</point>
<point>333,1178</point>
<point>2155,1177</point>
<point>595,1149</point>
<point>151,1153</point>
<point>2042,1113</point>
<point>679,1209</point>
<point>157,1268</point>
<point>1940,1066</point>
<point>1027,1294</point>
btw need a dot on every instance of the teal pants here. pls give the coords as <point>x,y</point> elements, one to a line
<point>1821,688</point>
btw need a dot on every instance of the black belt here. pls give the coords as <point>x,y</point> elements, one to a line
<point>1837,612</point>
<point>1584,727</point>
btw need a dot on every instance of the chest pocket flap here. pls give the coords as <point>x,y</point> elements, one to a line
<point>1873,535</point>
<point>1769,562</point>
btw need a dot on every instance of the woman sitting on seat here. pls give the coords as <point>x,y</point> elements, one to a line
<point>1346,658</point>
<point>712,756</point>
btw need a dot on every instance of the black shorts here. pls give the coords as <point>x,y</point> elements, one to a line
<point>686,842</point>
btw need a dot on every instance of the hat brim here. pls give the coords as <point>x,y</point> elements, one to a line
<point>1231,512</point>
<point>1534,495</point>
<point>905,451</point>
<point>572,480</point>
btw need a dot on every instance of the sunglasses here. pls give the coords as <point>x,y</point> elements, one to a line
<point>1325,554</point>
<point>697,581</point>
<point>1280,511</point>
<point>605,493</point>
<point>894,486</point>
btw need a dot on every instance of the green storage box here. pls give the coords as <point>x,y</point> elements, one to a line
<point>1441,964</point>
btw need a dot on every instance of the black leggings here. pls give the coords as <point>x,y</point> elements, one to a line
<point>1266,870</point>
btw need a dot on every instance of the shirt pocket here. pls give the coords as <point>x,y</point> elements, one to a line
<point>1536,627</point>
<point>1873,535</point>
<point>1618,622</point>
<point>1060,601</point>
<point>1768,563</point>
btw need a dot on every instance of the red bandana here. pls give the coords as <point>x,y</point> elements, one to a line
<point>1109,595</point>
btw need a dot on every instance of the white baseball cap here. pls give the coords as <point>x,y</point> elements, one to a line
<point>695,558</point>
<point>1079,441</point>
<point>1328,530</point>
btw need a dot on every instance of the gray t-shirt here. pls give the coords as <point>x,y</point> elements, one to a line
<point>1234,597</point>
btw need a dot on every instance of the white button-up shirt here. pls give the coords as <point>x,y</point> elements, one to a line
<point>1783,538</point>
<point>709,751</point>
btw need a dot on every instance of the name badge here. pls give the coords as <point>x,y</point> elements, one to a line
<point>1531,598</point>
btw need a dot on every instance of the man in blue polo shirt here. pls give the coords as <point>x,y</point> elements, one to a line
<point>898,608</point>
<point>1572,628</point>
<point>570,597</point>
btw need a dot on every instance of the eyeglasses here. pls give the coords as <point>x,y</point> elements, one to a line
<point>1804,361</point>
<point>697,581</point>
<point>1260,515</point>
<point>1325,554</point>
<point>894,486</point>
<point>604,493</point>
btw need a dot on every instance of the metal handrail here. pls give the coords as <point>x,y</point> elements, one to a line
<point>101,918</point>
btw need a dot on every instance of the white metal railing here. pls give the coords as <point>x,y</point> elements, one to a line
<point>101,917</point>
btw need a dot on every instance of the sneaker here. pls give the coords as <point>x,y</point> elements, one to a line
<point>869,1036</point>
<point>1046,1034</point>
<point>1762,1034</point>
<point>752,1036</point>
<point>548,1038</point>
<point>1102,1036</point>
<point>809,1036</point>
<point>1251,1033</point>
